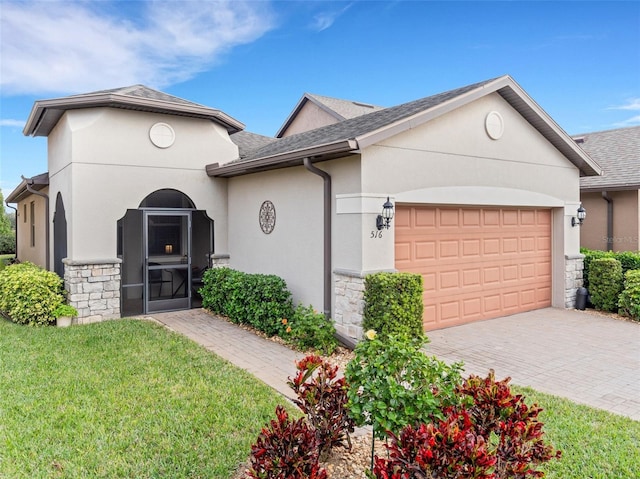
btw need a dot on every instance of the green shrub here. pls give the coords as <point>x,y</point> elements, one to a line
<point>393,383</point>
<point>628,260</point>
<point>308,329</point>
<point>7,244</point>
<point>29,294</point>
<point>605,283</point>
<point>393,304</point>
<point>629,301</point>
<point>258,300</point>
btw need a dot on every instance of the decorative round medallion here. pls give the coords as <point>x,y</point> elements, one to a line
<point>494,125</point>
<point>267,217</point>
<point>162,135</point>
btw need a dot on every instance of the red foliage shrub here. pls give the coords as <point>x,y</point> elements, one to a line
<point>286,450</point>
<point>323,397</point>
<point>494,435</point>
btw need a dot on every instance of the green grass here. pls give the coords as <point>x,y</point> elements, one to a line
<point>595,444</point>
<point>3,258</point>
<point>122,399</point>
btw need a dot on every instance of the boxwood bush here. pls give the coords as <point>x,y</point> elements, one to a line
<point>259,300</point>
<point>629,302</point>
<point>393,304</point>
<point>629,260</point>
<point>30,294</point>
<point>605,283</point>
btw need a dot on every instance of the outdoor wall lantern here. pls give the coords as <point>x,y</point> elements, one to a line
<point>384,220</point>
<point>582,214</point>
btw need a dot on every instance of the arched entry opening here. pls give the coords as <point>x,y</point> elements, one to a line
<point>165,245</point>
<point>59,236</point>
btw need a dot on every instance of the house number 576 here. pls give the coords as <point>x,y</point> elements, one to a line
<point>376,234</point>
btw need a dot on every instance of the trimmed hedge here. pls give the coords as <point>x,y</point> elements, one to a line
<point>605,280</point>
<point>30,294</point>
<point>629,301</point>
<point>393,304</point>
<point>629,260</point>
<point>7,244</point>
<point>259,300</point>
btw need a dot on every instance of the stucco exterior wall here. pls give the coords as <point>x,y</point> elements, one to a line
<point>309,117</point>
<point>452,160</point>
<point>103,162</point>
<point>25,251</point>
<point>294,249</point>
<point>626,221</point>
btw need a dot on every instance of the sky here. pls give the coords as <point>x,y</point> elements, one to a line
<point>579,60</point>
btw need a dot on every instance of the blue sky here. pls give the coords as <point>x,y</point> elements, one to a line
<point>579,60</point>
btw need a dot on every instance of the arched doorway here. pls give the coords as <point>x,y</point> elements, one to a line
<point>165,246</point>
<point>59,236</point>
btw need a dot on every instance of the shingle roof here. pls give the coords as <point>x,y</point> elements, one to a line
<point>248,142</point>
<point>45,114</point>
<point>354,127</point>
<point>618,152</point>
<point>350,136</point>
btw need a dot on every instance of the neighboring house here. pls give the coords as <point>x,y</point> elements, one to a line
<point>156,188</point>
<point>612,201</point>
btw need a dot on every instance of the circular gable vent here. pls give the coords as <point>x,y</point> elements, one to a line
<point>162,135</point>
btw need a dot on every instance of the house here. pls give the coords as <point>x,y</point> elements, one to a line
<point>483,185</point>
<point>612,201</point>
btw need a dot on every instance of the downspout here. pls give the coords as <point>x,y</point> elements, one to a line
<point>609,201</point>
<point>347,342</point>
<point>46,207</point>
<point>16,216</point>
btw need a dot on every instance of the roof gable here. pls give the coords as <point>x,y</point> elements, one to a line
<point>618,152</point>
<point>338,109</point>
<point>45,114</point>
<point>351,135</point>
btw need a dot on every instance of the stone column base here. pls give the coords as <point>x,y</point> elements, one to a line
<point>220,260</point>
<point>349,303</point>
<point>573,279</point>
<point>93,288</point>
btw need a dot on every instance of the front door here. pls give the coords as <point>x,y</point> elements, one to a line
<point>167,260</point>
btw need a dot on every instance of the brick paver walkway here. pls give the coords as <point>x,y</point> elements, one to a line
<point>587,358</point>
<point>270,362</point>
<point>590,359</point>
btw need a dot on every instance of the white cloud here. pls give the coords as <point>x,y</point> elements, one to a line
<point>633,121</point>
<point>12,123</point>
<point>324,20</point>
<point>67,47</point>
<point>631,104</point>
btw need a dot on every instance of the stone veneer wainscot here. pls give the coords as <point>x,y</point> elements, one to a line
<point>574,278</point>
<point>93,288</point>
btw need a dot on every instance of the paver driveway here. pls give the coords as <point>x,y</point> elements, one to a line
<point>585,357</point>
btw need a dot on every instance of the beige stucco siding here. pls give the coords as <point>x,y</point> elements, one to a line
<point>26,252</point>
<point>452,161</point>
<point>309,117</point>
<point>110,165</point>
<point>295,248</point>
<point>626,218</point>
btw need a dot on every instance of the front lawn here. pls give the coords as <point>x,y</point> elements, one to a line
<point>122,399</point>
<point>595,444</point>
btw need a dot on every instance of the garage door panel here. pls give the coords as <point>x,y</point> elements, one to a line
<point>476,263</point>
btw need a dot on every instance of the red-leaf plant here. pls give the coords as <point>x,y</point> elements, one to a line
<point>500,416</point>
<point>322,396</point>
<point>286,450</point>
<point>446,450</point>
<point>494,434</point>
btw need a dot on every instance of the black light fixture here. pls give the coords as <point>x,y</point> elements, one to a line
<point>581,215</point>
<point>384,220</point>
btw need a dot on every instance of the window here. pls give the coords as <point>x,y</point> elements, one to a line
<point>33,223</point>
<point>24,213</point>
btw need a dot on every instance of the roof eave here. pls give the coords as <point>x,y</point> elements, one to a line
<point>506,87</point>
<point>21,192</point>
<point>114,100</point>
<point>292,158</point>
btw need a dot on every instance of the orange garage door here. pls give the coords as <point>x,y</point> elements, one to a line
<point>477,263</point>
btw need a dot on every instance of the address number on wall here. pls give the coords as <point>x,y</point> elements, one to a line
<point>375,234</point>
